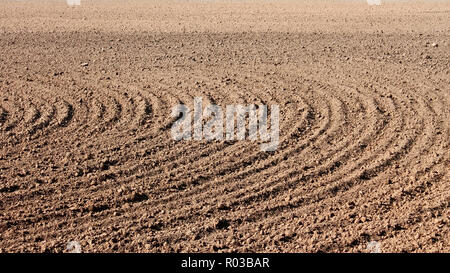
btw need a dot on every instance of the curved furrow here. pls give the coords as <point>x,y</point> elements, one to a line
<point>425,148</point>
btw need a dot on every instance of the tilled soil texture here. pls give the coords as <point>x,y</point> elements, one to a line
<point>86,152</point>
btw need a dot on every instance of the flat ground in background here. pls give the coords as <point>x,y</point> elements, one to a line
<point>86,153</point>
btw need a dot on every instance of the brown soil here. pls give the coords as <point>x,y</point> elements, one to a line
<point>86,152</point>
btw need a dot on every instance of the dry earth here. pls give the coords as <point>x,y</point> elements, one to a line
<point>86,152</point>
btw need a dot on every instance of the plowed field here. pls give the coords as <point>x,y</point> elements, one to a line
<point>86,153</point>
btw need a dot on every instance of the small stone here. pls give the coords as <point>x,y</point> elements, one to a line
<point>38,181</point>
<point>78,172</point>
<point>222,224</point>
<point>287,199</point>
<point>223,206</point>
<point>434,45</point>
<point>90,206</point>
<point>84,64</point>
<point>137,197</point>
